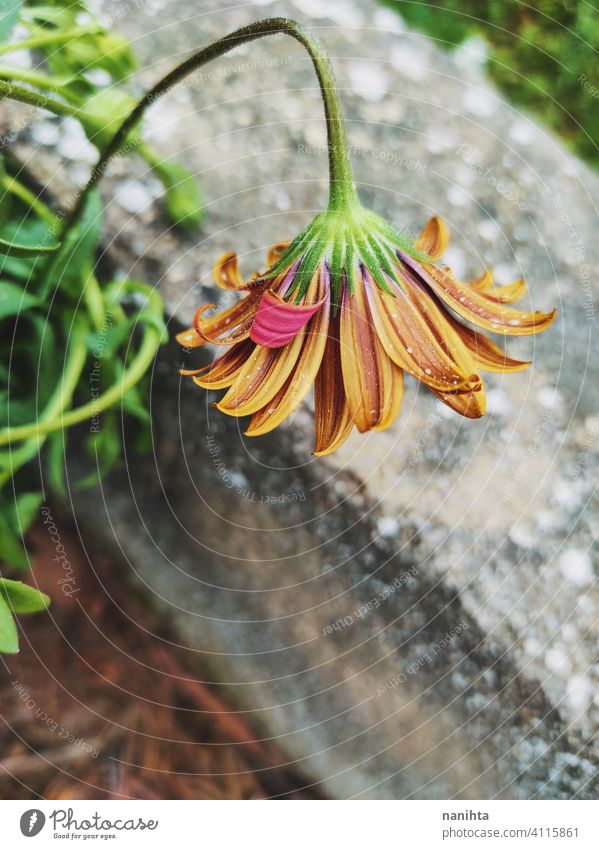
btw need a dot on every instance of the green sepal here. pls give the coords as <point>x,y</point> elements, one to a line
<point>293,250</point>
<point>306,270</point>
<point>370,261</point>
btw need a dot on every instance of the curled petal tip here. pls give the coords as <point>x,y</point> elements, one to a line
<point>434,238</point>
<point>226,272</point>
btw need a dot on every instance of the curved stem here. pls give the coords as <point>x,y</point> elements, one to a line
<point>341,188</point>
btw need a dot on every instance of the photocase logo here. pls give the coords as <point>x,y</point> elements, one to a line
<point>32,822</point>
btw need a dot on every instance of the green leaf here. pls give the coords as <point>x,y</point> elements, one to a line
<point>109,340</point>
<point>22,598</point>
<point>93,51</point>
<point>133,405</point>
<point>184,203</point>
<point>104,447</point>
<point>9,12</point>
<point>21,226</point>
<point>104,113</point>
<point>11,547</point>
<point>25,510</point>
<point>13,300</point>
<point>9,639</point>
<point>55,448</point>
<point>68,265</point>
<point>25,251</point>
<point>16,516</point>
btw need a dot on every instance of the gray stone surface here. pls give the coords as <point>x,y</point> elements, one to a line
<point>417,615</point>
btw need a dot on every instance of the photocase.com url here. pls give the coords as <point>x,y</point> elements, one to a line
<point>532,832</point>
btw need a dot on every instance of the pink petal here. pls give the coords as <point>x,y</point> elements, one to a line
<point>277,322</point>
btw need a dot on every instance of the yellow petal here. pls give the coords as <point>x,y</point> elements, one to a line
<point>471,404</point>
<point>503,294</point>
<point>480,309</point>
<point>393,399</point>
<point>417,339</point>
<point>434,238</point>
<point>261,377</point>
<point>190,338</point>
<point>223,371</point>
<point>299,381</point>
<point>487,355</point>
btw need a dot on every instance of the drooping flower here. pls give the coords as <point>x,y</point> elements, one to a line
<point>348,307</point>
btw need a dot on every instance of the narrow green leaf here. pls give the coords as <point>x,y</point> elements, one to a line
<point>22,598</point>
<point>55,463</point>
<point>25,251</point>
<point>9,639</point>
<point>13,300</point>
<point>69,264</point>
<point>25,510</point>
<point>11,548</point>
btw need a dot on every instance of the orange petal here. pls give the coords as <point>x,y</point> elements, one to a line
<point>190,338</point>
<point>265,372</point>
<point>275,253</point>
<point>434,238</point>
<point>393,399</point>
<point>223,371</point>
<point>332,415</point>
<point>368,373</point>
<point>503,294</point>
<point>487,355</point>
<point>237,319</point>
<point>403,325</point>
<point>261,377</point>
<point>299,381</point>
<point>471,404</point>
<point>226,272</point>
<point>477,307</point>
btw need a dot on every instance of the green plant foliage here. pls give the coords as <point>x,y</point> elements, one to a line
<point>543,55</point>
<point>183,194</point>
<point>16,597</point>
<point>65,335</point>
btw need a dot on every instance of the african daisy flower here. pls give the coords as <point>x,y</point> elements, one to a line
<point>346,308</point>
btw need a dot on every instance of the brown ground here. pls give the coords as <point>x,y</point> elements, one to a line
<point>98,705</point>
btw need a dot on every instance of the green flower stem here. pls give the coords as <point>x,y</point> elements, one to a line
<point>59,419</point>
<point>42,101</point>
<point>61,398</point>
<point>56,37</point>
<point>342,193</point>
